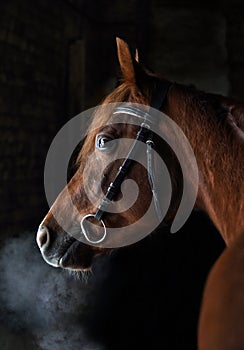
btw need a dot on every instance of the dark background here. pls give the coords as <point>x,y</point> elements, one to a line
<point>58,58</point>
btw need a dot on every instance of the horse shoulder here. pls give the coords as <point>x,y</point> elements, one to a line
<point>221,321</point>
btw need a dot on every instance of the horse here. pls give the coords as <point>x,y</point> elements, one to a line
<point>214,127</point>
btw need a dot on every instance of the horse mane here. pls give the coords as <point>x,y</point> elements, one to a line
<point>223,109</point>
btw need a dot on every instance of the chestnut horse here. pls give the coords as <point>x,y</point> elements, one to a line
<point>214,127</point>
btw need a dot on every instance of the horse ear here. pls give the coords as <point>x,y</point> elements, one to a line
<point>137,56</point>
<point>131,70</point>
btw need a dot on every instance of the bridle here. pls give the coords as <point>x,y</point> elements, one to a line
<point>144,135</point>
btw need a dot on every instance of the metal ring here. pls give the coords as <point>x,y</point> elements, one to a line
<point>145,125</point>
<point>84,231</point>
<point>150,143</point>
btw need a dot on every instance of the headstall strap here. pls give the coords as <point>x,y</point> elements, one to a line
<point>144,135</point>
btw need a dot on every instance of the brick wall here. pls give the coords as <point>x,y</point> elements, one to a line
<point>34,39</point>
<point>235,47</point>
<point>189,46</point>
<point>42,83</point>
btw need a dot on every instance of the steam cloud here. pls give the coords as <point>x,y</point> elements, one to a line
<point>41,307</point>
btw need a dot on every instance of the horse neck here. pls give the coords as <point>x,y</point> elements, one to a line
<point>217,143</point>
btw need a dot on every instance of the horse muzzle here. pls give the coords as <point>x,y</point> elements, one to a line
<point>43,242</point>
<point>60,249</point>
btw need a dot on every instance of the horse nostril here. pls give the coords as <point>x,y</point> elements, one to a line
<point>42,237</point>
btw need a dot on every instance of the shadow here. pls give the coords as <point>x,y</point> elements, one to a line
<point>143,296</point>
<point>150,297</point>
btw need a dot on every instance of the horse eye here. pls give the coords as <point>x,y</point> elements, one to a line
<point>101,142</point>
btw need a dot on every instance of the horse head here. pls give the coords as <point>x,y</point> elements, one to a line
<point>58,232</point>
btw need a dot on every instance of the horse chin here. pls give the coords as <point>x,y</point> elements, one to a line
<point>78,257</point>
